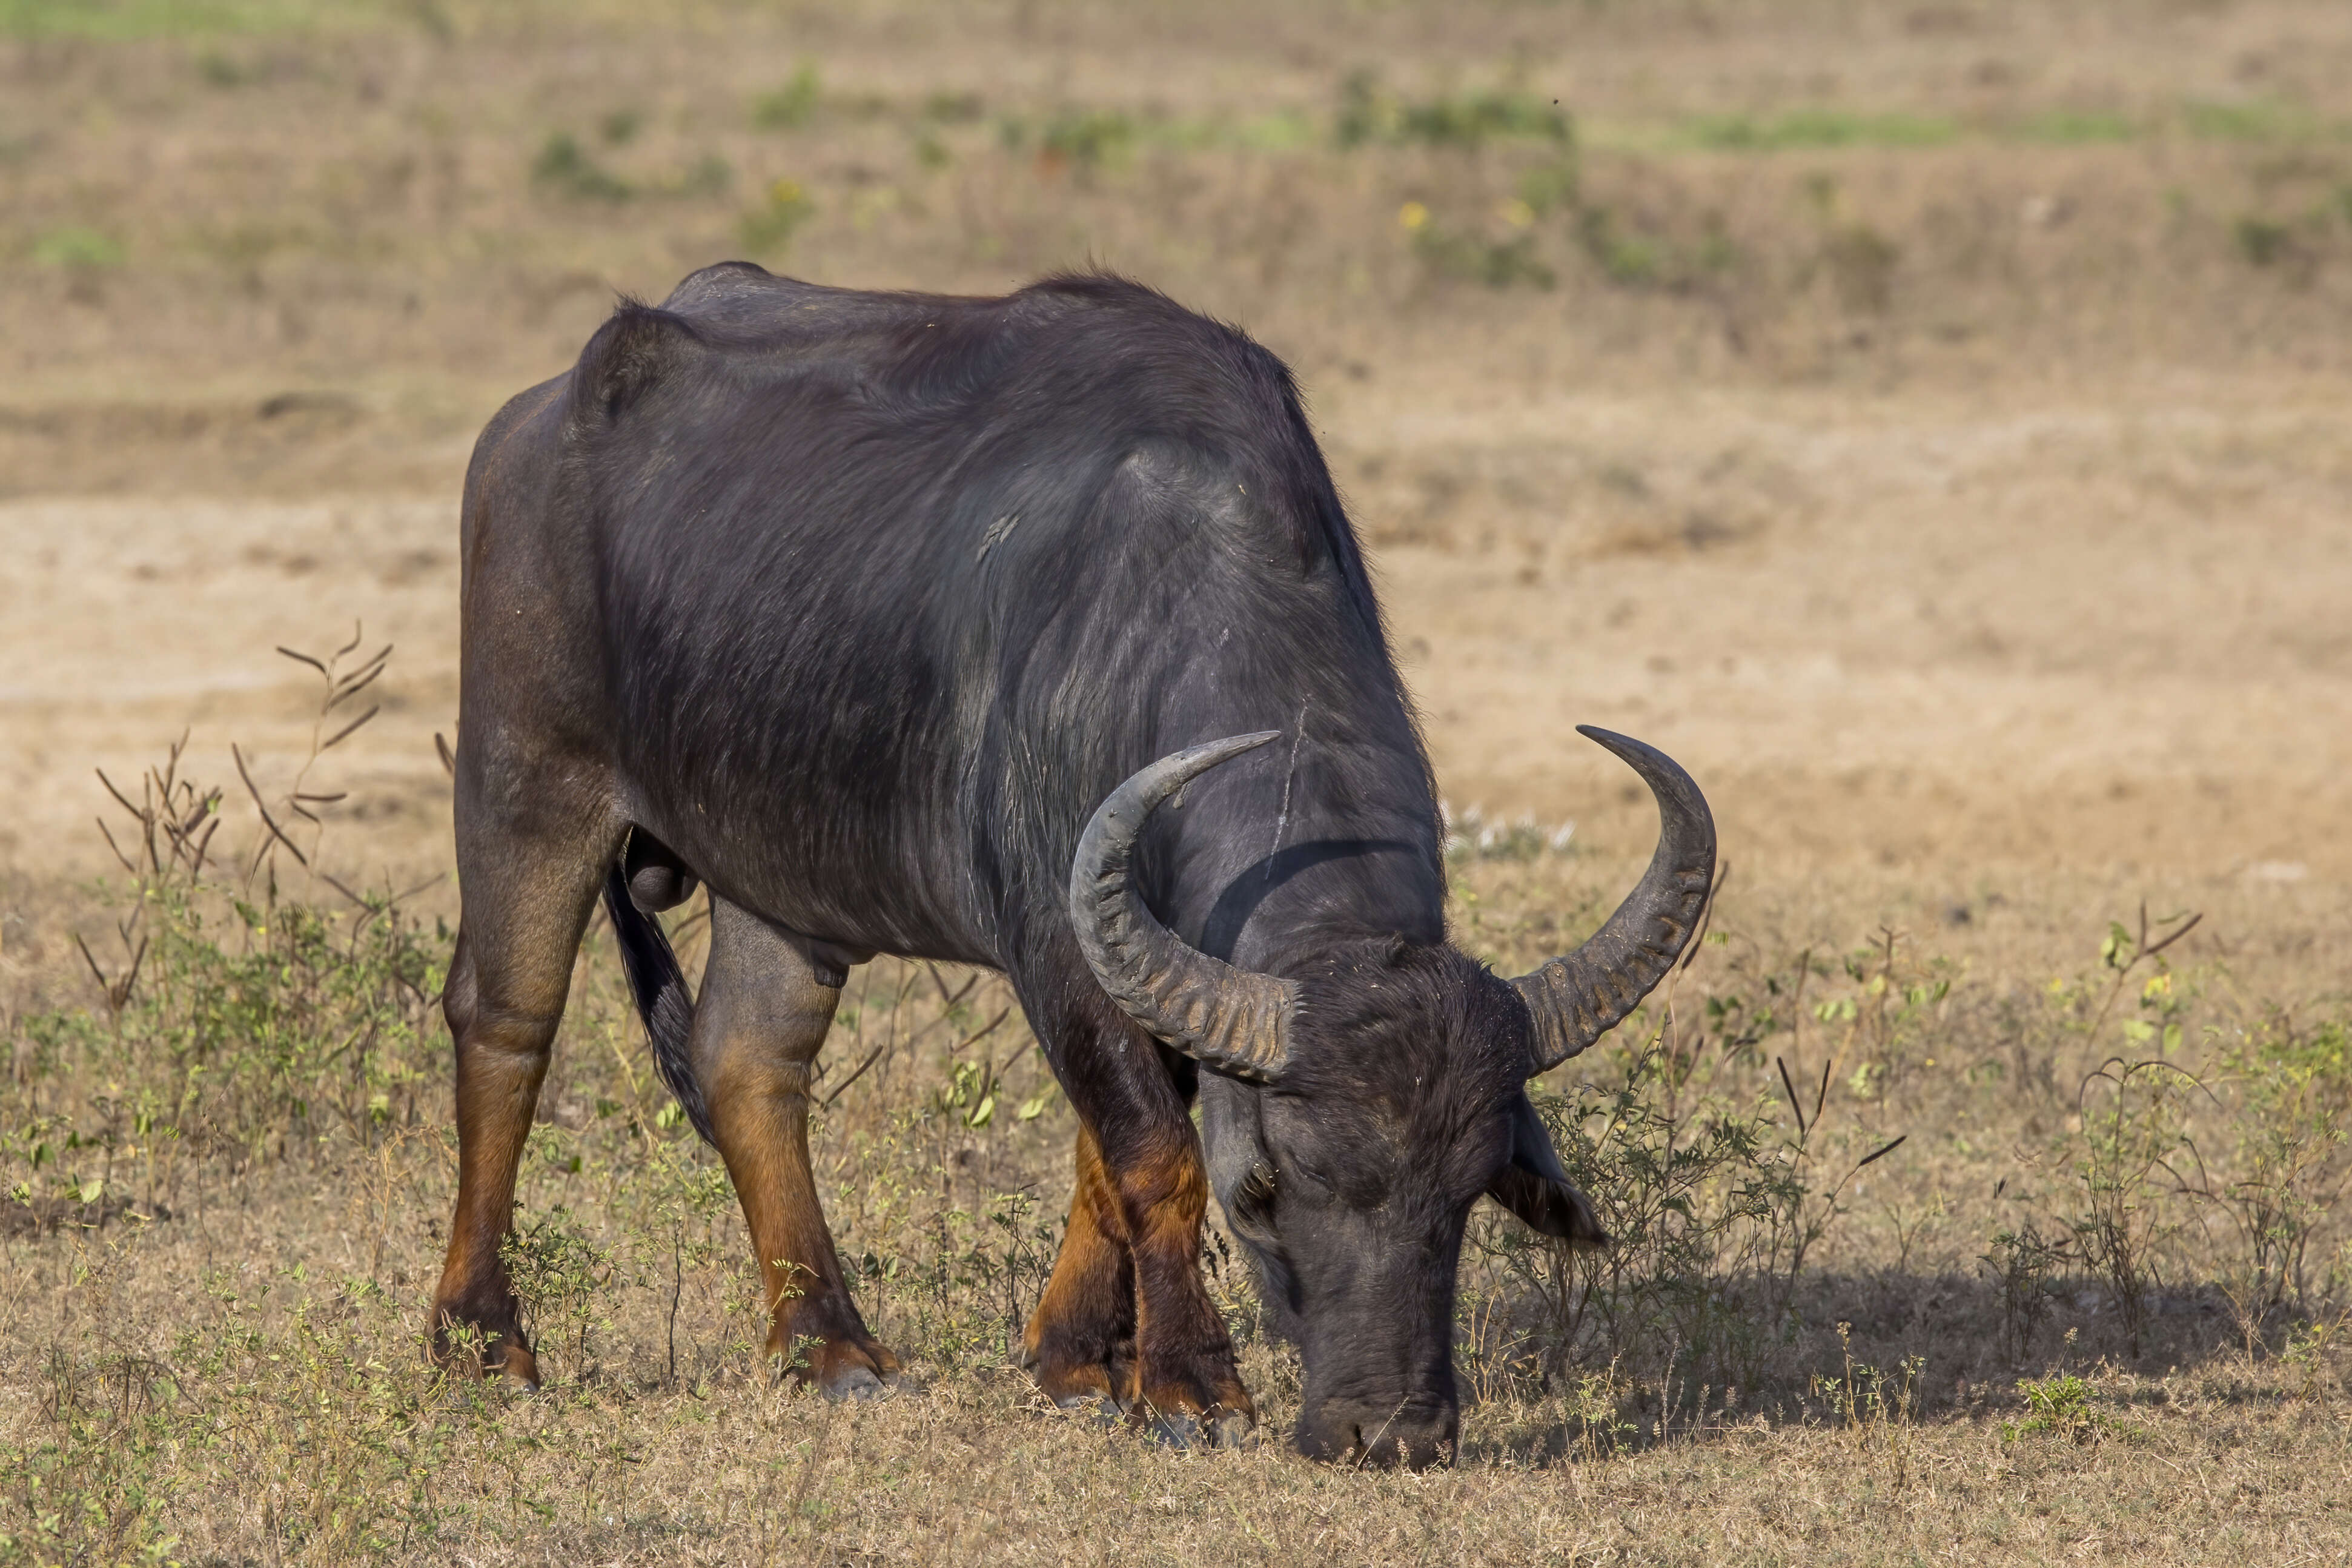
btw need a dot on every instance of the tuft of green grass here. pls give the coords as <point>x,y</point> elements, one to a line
<point>78,249</point>
<point>2075,127</point>
<point>947,108</point>
<point>129,19</point>
<point>1370,114</point>
<point>792,104</point>
<point>1497,263</point>
<point>768,228</point>
<point>565,168</point>
<point>2256,120</point>
<point>2063,1406</point>
<point>1817,129</point>
<point>1088,137</point>
<point>2262,241</point>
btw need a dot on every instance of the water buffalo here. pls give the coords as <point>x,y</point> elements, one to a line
<point>1026,632</point>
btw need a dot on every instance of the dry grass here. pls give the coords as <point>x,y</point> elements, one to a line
<point>230,1368</point>
<point>1923,420</point>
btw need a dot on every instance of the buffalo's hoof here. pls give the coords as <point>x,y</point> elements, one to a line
<point>1098,1407</point>
<point>519,1367</point>
<point>462,1344</point>
<point>1188,1433</point>
<point>841,1370</point>
<point>854,1384</point>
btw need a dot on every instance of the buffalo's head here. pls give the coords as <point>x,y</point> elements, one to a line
<point>1355,1111</point>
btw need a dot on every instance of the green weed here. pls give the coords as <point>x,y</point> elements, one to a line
<point>1087,138</point>
<point>2259,120</point>
<point>565,168</point>
<point>127,19</point>
<point>1817,129</point>
<point>2075,126</point>
<point>2264,242</point>
<point>1371,114</point>
<point>2063,1406</point>
<point>792,106</point>
<point>78,250</point>
<point>768,228</point>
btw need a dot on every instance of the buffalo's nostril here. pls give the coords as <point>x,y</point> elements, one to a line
<point>1413,1437</point>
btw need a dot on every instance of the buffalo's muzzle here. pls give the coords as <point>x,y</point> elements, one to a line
<point>1413,1434</point>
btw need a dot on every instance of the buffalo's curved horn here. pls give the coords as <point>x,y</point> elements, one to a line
<point>1579,997</point>
<point>1229,1021</point>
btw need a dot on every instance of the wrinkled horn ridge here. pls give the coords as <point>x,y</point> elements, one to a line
<point>1579,997</point>
<point>1228,1020</point>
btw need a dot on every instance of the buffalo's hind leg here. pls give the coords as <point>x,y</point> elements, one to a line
<point>1080,1342</point>
<point>768,997</point>
<point>528,866</point>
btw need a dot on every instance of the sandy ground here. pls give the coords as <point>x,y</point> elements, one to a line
<point>1907,632</point>
<point>1983,505</point>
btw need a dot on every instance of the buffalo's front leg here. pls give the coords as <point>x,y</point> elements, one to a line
<point>1131,1260</point>
<point>767,1001</point>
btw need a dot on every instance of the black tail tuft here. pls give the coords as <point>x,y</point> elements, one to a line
<point>662,996</point>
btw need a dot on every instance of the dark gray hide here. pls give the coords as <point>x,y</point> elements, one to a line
<point>867,602</point>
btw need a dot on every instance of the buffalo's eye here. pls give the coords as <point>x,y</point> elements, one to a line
<point>1307,1172</point>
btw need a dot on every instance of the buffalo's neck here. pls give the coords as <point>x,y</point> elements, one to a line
<point>1272,891</point>
<point>1331,832</point>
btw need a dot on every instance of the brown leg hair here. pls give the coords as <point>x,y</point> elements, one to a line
<point>1126,1312</point>
<point>527,899</point>
<point>758,1025</point>
<point>1080,1342</point>
<point>1185,1365</point>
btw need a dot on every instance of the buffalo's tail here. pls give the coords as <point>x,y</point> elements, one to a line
<point>663,999</point>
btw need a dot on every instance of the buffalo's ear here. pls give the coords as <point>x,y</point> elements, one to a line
<point>635,351</point>
<point>1533,1186</point>
<point>1239,1172</point>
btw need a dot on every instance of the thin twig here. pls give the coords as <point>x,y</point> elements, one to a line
<point>266,820</point>
<point>119,795</point>
<point>341,735</point>
<point>1791,1088</point>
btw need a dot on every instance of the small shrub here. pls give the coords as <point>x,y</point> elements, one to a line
<point>222,70</point>
<point>1370,114</point>
<point>77,249</point>
<point>2256,121</point>
<point>947,108</point>
<point>792,105</point>
<point>1861,263</point>
<point>1497,264</point>
<point>2075,126</point>
<point>2026,1263</point>
<point>1812,128</point>
<point>708,175</point>
<point>2262,241</point>
<point>1875,1408</point>
<point>565,168</point>
<point>2062,1407</point>
<point>2294,1087</point>
<point>1089,139</point>
<point>559,1275</point>
<point>1552,186</point>
<point>770,227</point>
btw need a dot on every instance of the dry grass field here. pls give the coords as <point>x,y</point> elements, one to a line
<point>1926,421</point>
